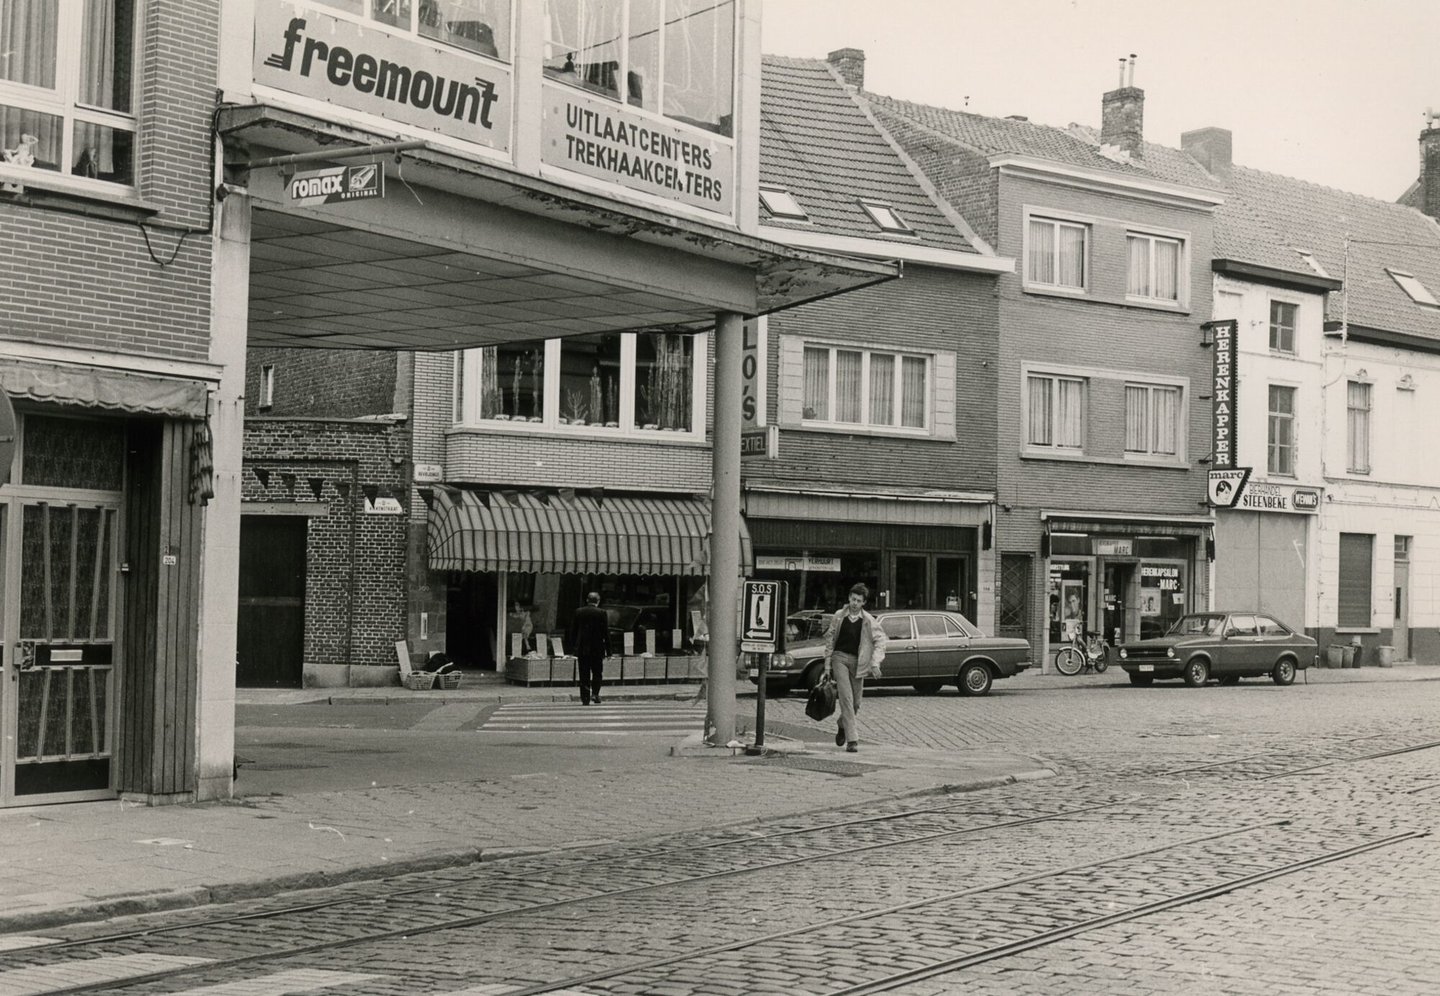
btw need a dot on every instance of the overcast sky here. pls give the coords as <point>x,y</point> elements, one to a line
<point>1331,91</point>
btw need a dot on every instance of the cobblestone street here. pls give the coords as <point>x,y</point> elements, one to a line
<point>1251,839</point>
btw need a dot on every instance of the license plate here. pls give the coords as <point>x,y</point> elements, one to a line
<point>754,672</point>
<point>1147,667</point>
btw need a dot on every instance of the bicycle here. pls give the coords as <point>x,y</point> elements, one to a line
<point>1088,653</point>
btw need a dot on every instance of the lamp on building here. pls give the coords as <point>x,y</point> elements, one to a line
<point>1207,335</point>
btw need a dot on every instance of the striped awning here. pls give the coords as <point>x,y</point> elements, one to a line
<point>572,534</point>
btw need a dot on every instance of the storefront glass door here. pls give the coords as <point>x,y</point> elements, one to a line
<point>931,581</point>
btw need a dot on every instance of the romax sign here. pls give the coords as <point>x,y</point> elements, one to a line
<point>313,54</point>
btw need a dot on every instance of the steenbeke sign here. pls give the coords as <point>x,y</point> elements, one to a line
<point>309,53</point>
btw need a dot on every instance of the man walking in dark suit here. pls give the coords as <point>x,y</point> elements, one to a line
<point>589,633</point>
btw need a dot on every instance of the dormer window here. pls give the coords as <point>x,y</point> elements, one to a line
<point>886,217</point>
<point>1412,286</point>
<point>781,203</point>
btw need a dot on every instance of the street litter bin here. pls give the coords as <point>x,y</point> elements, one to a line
<point>1350,656</point>
<point>1335,655</point>
<point>1386,656</point>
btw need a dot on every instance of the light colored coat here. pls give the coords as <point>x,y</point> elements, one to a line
<point>872,643</point>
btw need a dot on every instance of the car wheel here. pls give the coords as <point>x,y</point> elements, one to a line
<point>1142,679</point>
<point>927,687</point>
<point>1284,672</point>
<point>812,676</point>
<point>1229,679</point>
<point>1197,672</point>
<point>974,679</point>
<point>777,691</point>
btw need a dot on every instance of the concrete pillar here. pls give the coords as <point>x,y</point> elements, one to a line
<point>220,570</point>
<point>724,581</point>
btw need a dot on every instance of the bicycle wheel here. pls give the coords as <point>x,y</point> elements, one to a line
<point>1069,661</point>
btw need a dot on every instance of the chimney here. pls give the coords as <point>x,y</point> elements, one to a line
<point>1210,147</point>
<point>1122,114</point>
<point>850,63</point>
<point>1430,166</point>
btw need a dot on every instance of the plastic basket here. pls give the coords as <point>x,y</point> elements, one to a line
<point>451,680</point>
<point>420,680</point>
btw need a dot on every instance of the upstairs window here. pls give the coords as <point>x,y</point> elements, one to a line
<point>1154,271</point>
<point>1418,292</point>
<point>1055,254</point>
<point>67,87</point>
<point>866,387</point>
<point>479,26</point>
<point>1152,420</point>
<point>267,386</point>
<point>671,57</point>
<point>1282,326</point>
<point>1280,458</point>
<point>1055,407</point>
<point>1357,427</point>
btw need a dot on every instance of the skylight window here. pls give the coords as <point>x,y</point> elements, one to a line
<point>885,216</point>
<point>1412,286</point>
<point>781,203</point>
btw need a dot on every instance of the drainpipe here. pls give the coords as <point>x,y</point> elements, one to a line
<point>724,581</point>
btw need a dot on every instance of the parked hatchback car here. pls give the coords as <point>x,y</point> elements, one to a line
<point>924,649</point>
<point>1226,646</point>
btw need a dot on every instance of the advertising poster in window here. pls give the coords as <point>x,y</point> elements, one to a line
<point>303,51</point>
<point>604,141</point>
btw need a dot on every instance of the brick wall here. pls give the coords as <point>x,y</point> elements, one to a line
<point>115,285</point>
<point>927,309</point>
<point>330,383</point>
<point>355,609</point>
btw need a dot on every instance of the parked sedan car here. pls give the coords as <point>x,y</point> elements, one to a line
<point>1226,646</point>
<point>925,649</point>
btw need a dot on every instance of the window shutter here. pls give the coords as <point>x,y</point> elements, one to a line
<point>1354,581</point>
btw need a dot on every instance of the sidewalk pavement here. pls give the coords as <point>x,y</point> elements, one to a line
<point>86,861</point>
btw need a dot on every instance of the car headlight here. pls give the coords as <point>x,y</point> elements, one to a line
<point>781,662</point>
<point>1170,652</point>
<point>1123,654</point>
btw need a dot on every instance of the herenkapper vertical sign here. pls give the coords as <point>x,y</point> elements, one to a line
<point>1225,393</point>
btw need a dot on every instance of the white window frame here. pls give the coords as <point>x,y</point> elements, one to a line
<point>468,398</point>
<point>864,425</point>
<point>781,203</point>
<point>1270,417</point>
<point>1182,267</point>
<point>1053,377</point>
<point>886,218</point>
<point>1152,453</point>
<point>363,12</point>
<point>1058,220</point>
<point>1270,326</point>
<point>63,102</point>
<point>1365,416</point>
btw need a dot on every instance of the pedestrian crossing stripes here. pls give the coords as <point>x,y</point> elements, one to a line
<point>621,718</point>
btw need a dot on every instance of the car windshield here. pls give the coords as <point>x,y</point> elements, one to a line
<point>1199,625</point>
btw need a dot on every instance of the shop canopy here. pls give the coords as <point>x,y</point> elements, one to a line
<point>1138,524</point>
<point>572,533</point>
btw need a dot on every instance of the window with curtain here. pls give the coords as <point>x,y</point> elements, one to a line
<point>67,87</point>
<point>1055,253</point>
<point>1281,443</point>
<point>1056,411</point>
<point>1357,426</point>
<point>1282,326</point>
<point>866,387</point>
<point>1154,271</point>
<point>608,382</point>
<point>1152,420</point>
<point>673,57</point>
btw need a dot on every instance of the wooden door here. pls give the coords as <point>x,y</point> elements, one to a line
<point>270,645</point>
